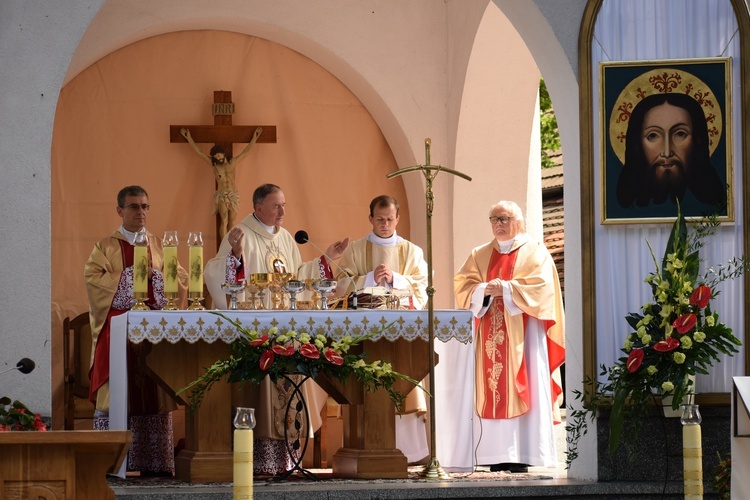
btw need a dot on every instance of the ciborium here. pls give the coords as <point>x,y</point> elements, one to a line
<point>324,288</point>
<point>261,281</point>
<point>232,289</point>
<point>293,287</point>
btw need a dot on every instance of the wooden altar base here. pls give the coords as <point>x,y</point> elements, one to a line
<point>370,464</point>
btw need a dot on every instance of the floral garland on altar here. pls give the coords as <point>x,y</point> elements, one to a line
<point>255,355</point>
<point>671,339</point>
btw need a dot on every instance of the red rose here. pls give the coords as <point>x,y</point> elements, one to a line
<point>265,360</point>
<point>700,296</point>
<point>283,350</point>
<point>309,351</point>
<point>666,345</point>
<point>635,358</point>
<point>685,323</point>
<point>259,341</point>
<point>334,358</point>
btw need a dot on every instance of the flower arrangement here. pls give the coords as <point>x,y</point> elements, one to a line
<point>256,355</point>
<point>16,416</point>
<point>722,478</point>
<point>672,338</point>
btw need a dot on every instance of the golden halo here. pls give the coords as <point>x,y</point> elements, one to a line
<point>663,81</point>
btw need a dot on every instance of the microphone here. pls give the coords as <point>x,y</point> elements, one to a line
<point>301,238</point>
<point>24,366</point>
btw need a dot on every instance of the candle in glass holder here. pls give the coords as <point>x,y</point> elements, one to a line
<point>195,241</point>
<point>242,478</point>
<point>170,261</point>
<point>140,263</point>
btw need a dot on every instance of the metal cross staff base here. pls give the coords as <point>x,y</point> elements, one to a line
<point>432,470</point>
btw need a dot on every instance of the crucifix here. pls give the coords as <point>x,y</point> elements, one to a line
<point>432,470</point>
<point>223,134</point>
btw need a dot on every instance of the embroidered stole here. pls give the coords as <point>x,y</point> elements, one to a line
<point>498,387</point>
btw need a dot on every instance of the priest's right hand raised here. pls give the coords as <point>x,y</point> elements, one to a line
<point>337,248</point>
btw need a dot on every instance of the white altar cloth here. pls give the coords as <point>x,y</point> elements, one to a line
<point>450,325</point>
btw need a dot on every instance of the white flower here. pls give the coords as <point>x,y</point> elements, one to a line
<point>710,320</point>
<point>679,358</point>
<point>651,370</point>
<point>699,336</point>
<point>686,342</point>
<point>667,386</point>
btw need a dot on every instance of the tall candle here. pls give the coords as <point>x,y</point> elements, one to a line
<point>243,464</point>
<point>692,460</point>
<point>170,269</point>
<point>140,269</point>
<point>196,269</point>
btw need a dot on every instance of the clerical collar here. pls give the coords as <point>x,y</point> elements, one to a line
<point>391,241</point>
<point>270,229</point>
<point>129,235</point>
<point>505,245</point>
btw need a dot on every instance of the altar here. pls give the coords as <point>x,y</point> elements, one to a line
<point>184,343</point>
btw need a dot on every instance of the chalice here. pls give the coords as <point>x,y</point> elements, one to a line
<point>280,279</point>
<point>293,287</point>
<point>324,288</point>
<point>233,289</point>
<point>261,281</point>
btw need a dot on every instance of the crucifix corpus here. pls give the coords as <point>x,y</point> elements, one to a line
<point>223,134</point>
<point>432,470</point>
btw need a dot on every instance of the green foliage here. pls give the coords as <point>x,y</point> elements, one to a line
<point>256,355</point>
<point>548,124</point>
<point>672,338</point>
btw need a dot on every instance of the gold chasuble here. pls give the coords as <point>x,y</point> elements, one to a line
<point>501,379</point>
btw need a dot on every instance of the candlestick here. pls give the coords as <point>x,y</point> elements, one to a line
<point>244,422</point>
<point>692,452</point>
<point>140,271</point>
<point>195,287</point>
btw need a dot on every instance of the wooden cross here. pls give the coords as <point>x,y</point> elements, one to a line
<point>222,132</point>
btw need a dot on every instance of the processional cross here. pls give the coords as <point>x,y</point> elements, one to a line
<point>223,134</point>
<point>432,470</point>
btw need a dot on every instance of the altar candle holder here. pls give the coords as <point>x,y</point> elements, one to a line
<point>140,271</point>
<point>244,422</point>
<point>170,242</point>
<point>195,287</point>
<point>692,450</point>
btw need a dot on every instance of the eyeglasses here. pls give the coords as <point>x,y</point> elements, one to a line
<point>136,206</point>
<point>502,219</point>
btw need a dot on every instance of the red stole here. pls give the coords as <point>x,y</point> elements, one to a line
<point>99,373</point>
<point>494,377</point>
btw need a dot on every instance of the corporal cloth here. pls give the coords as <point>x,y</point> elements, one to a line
<point>518,390</point>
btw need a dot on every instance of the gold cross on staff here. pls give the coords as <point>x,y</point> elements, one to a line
<point>432,470</point>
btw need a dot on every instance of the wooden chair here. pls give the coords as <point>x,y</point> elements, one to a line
<point>77,359</point>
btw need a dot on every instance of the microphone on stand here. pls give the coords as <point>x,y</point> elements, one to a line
<point>301,238</point>
<point>25,365</point>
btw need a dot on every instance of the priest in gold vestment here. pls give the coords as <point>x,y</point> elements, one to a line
<point>383,258</point>
<point>109,284</point>
<point>511,286</point>
<point>258,244</point>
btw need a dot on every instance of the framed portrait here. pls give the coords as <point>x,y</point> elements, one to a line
<point>666,140</point>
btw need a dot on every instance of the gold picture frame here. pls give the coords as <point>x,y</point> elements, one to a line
<point>656,152</point>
